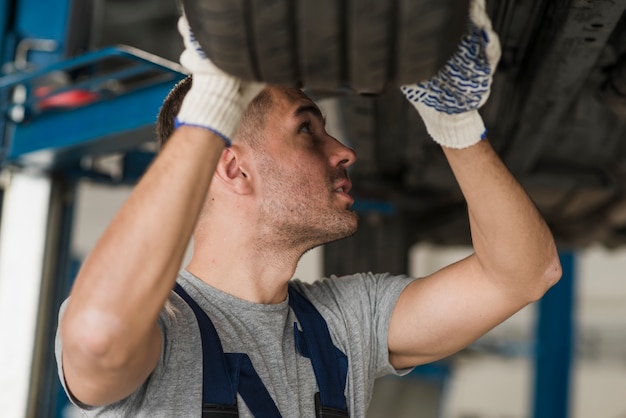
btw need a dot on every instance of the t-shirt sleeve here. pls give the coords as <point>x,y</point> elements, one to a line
<point>358,311</point>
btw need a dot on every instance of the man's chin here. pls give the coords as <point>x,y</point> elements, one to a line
<point>348,228</point>
<point>355,225</point>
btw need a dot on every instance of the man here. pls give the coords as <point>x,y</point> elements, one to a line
<point>129,346</point>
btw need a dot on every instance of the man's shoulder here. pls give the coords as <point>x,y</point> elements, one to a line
<point>339,293</point>
<point>366,281</point>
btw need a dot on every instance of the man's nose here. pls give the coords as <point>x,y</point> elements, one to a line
<point>341,155</point>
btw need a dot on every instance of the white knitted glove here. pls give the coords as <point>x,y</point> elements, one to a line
<point>449,102</point>
<point>216,100</point>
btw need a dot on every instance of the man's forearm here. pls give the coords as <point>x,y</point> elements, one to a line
<point>124,282</point>
<point>512,241</point>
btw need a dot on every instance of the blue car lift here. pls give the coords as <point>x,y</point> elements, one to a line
<point>105,110</point>
<point>62,105</point>
<point>99,113</point>
<point>59,108</point>
<point>554,345</point>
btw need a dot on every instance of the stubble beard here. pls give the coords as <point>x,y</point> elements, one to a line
<point>304,228</point>
<point>295,221</point>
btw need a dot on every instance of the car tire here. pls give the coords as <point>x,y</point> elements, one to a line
<point>329,45</point>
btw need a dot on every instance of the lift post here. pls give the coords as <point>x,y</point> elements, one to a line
<point>555,345</point>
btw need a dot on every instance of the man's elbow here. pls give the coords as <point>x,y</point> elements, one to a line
<point>100,367</point>
<point>548,277</point>
<point>87,344</point>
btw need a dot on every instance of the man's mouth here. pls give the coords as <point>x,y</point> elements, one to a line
<point>343,189</point>
<point>344,186</point>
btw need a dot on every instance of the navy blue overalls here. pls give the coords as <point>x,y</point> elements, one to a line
<point>225,374</point>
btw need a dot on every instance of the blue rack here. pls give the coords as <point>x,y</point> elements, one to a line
<point>108,102</point>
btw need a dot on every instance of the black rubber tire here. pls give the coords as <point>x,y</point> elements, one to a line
<point>329,45</point>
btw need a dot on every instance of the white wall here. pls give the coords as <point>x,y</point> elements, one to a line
<point>22,238</point>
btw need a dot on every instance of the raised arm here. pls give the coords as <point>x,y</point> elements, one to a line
<point>515,259</point>
<point>111,340</point>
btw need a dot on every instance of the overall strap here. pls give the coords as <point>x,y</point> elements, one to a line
<point>331,400</point>
<point>223,375</point>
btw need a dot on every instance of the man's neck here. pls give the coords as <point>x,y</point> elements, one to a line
<point>256,275</point>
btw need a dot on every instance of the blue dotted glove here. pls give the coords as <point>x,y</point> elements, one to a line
<point>216,100</point>
<point>449,102</point>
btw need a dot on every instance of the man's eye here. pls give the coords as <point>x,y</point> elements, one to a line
<point>306,128</point>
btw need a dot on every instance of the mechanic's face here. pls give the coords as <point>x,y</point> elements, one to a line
<point>303,174</point>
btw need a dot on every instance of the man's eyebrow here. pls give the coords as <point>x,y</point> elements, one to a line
<point>309,108</point>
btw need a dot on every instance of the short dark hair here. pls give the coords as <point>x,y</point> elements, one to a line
<point>169,109</point>
<point>252,120</point>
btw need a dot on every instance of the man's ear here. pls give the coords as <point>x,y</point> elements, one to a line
<point>231,172</point>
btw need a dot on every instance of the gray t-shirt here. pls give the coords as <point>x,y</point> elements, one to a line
<point>356,308</point>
